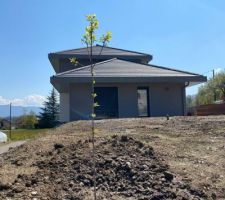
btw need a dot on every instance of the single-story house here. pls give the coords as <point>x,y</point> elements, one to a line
<point>126,84</point>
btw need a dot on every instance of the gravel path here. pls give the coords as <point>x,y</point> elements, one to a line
<point>5,147</point>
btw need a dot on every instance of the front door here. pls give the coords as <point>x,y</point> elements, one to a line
<point>107,98</point>
<point>143,103</point>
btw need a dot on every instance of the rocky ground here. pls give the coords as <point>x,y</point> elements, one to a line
<point>150,158</point>
<point>4,147</point>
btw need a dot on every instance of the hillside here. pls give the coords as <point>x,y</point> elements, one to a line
<point>17,110</point>
<point>149,158</point>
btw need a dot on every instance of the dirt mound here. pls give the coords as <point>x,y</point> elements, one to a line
<point>126,169</point>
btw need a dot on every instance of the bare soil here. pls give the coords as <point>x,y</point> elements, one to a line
<point>4,147</point>
<point>148,158</point>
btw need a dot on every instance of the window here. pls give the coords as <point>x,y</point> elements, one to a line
<point>143,106</point>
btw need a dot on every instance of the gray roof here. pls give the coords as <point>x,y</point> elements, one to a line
<point>106,51</point>
<point>98,52</point>
<point>121,70</point>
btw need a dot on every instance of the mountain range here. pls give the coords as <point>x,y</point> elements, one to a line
<point>18,110</point>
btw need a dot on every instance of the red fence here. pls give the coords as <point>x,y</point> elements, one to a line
<point>211,109</point>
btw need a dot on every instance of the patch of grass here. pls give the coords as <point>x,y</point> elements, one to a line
<point>24,134</point>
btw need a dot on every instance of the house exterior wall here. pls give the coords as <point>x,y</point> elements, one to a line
<point>127,97</point>
<point>64,107</point>
<point>163,99</point>
<point>166,100</point>
<point>80,101</point>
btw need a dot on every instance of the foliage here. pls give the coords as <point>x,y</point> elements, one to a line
<point>27,121</point>
<point>214,89</point>
<point>191,101</point>
<point>89,38</point>
<point>221,85</point>
<point>49,116</point>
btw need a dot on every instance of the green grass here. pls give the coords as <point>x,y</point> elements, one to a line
<point>24,134</point>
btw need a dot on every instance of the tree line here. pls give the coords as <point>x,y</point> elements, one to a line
<point>48,117</point>
<point>210,92</point>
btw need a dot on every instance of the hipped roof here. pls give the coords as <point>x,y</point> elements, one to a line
<point>117,70</point>
<point>105,51</point>
<point>98,52</point>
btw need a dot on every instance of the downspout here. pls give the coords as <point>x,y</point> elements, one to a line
<point>183,97</point>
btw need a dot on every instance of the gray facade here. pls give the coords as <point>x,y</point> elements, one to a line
<point>128,72</point>
<point>163,99</point>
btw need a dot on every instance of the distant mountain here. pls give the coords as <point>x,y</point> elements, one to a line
<point>17,110</point>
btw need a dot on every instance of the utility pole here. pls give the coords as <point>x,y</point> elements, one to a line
<point>214,93</point>
<point>10,121</point>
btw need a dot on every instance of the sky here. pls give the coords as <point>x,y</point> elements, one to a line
<point>187,35</point>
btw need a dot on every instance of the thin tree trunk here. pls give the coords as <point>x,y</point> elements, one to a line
<point>93,122</point>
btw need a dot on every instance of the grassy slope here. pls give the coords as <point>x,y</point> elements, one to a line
<point>23,134</point>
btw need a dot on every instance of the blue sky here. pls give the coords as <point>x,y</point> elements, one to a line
<point>187,35</point>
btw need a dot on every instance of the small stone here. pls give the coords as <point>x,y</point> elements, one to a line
<point>18,189</point>
<point>81,184</point>
<point>58,181</point>
<point>213,195</point>
<point>124,138</point>
<point>168,176</point>
<point>58,146</point>
<point>128,164</point>
<point>145,167</point>
<point>4,186</point>
<point>28,184</point>
<point>86,182</point>
<point>34,193</point>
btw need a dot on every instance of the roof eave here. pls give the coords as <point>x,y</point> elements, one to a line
<point>81,56</point>
<point>130,79</point>
<point>54,62</point>
<point>62,84</point>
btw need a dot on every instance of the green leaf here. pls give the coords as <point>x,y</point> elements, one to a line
<point>74,61</point>
<point>96,104</point>
<point>89,36</point>
<point>94,95</point>
<point>91,17</point>
<point>93,115</point>
<point>106,37</point>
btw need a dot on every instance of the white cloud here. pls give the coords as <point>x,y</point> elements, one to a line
<point>218,70</point>
<point>30,100</point>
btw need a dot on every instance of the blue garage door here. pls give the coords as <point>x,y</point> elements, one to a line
<point>107,97</point>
